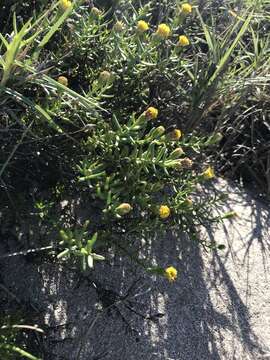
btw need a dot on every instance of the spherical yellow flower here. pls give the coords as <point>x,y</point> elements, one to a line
<point>151,113</point>
<point>208,173</point>
<point>175,135</point>
<point>163,31</point>
<point>63,80</point>
<point>164,211</point>
<point>123,209</point>
<point>119,26</point>
<point>183,40</point>
<point>186,8</point>
<point>65,4</point>
<point>171,273</point>
<point>142,26</point>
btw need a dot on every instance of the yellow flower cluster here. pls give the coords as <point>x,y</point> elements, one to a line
<point>142,26</point>
<point>65,4</point>
<point>164,211</point>
<point>171,273</point>
<point>163,31</point>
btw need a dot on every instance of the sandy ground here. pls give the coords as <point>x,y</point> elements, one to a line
<point>219,308</point>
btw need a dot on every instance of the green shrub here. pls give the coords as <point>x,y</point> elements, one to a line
<point>93,100</point>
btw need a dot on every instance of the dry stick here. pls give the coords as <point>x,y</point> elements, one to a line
<point>26,252</point>
<point>24,327</point>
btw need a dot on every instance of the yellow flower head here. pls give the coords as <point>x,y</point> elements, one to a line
<point>142,26</point>
<point>119,26</point>
<point>123,209</point>
<point>164,211</point>
<point>65,4</point>
<point>175,135</point>
<point>151,113</point>
<point>208,173</point>
<point>171,273</point>
<point>183,40</point>
<point>163,31</point>
<point>63,80</point>
<point>186,8</point>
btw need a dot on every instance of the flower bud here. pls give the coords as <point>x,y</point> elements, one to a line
<point>63,80</point>
<point>157,132</point>
<point>105,76</point>
<point>119,26</point>
<point>214,139</point>
<point>174,135</point>
<point>188,202</point>
<point>123,209</point>
<point>230,214</point>
<point>177,153</point>
<point>96,12</point>
<point>186,163</point>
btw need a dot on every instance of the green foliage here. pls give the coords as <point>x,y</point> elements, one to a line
<point>8,342</point>
<point>77,244</point>
<point>128,120</point>
<point>95,130</point>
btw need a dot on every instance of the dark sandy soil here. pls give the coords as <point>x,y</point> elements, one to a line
<point>218,308</point>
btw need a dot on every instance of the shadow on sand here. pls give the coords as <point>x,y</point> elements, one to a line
<point>119,313</point>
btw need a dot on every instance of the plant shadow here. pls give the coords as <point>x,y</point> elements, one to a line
<point>216,309</point>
